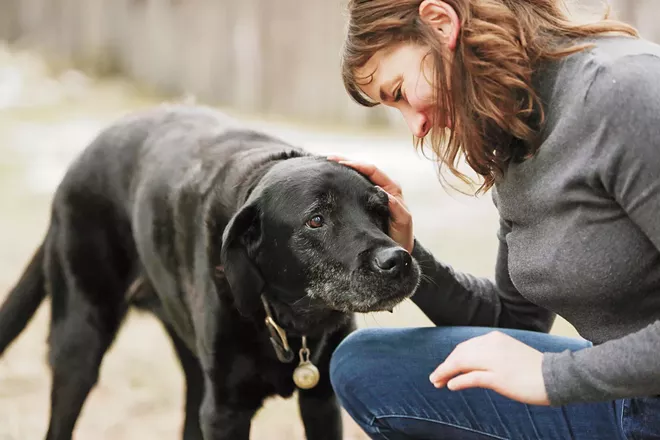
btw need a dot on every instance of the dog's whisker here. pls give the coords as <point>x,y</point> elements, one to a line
<point>302,298</point>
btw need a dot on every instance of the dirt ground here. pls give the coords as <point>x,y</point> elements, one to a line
<point>140,391</point>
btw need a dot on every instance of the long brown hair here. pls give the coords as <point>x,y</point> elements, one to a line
<point>496,112</point>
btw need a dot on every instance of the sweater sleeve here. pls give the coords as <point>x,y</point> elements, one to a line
<point>623,109</point>
<point>449,297</point>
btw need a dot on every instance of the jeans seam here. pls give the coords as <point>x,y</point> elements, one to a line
<point>623,410</point>
<point>440,422</point>
<point>372,423</point>
<point>497,413</point>
<point>531,420</point>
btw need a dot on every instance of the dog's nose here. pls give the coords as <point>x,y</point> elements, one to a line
<point>391,261</point>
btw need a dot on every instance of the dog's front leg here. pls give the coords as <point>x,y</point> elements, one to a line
<point>321,414</point>
<point>319,409</point>
<point>220,421</point>
<point>224,413</point>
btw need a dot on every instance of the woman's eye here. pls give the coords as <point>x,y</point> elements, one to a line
<point>315,222</point>
<point>397,94</point>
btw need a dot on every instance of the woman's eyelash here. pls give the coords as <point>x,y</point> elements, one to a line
<point>397,94</point>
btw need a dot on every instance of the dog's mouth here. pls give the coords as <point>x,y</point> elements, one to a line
<point>387,303</point>
<point>317,313</point>
<point>380,303</point>
<point>363,294</point>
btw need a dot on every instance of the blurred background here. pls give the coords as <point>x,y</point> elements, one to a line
<point>70,67</point>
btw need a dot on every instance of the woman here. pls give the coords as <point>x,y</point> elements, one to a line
<point>562,121</point>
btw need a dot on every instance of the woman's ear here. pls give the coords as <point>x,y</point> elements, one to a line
<point>443,19</point>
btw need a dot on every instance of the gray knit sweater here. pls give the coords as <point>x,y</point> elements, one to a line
<point>580,229</point>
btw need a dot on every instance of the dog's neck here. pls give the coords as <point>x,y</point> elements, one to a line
<point>306,374</point>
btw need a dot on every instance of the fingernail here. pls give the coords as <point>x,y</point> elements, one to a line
<point>437,383</point>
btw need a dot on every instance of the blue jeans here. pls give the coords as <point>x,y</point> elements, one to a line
<point>381,379</point>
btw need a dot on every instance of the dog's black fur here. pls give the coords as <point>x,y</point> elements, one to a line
<point>182,212</point>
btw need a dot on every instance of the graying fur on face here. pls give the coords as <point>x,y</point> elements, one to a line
<point>357,291</point>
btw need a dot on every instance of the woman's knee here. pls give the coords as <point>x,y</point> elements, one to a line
<point>353,356</point>
<point>367,353</point>
<point>359,355</point>
<point>360,358</point>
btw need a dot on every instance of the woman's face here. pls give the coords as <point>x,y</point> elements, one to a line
<point>402,79</point>
<point>403,75</point>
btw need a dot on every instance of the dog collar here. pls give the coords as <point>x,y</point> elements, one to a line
<point>277,335</point>
<point>306,375</point>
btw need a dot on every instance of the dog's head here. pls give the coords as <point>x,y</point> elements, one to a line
<point>313,237</point>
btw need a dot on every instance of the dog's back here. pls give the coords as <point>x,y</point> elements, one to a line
<point>161,142</point>
<point>164,148</point>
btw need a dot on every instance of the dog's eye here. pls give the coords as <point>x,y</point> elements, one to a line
<point>315,222</point>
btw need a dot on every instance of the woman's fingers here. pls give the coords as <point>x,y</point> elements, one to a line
<point>336,158</point>
<point>473,379</point>
<point>486,362</point>
<point>401,229</point>
<point>374,174</point>
<point>401,225</point>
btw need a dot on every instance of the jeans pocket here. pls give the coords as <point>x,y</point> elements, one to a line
<point>640,418</point>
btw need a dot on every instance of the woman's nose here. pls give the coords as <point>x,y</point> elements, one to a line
<point>418,123</point>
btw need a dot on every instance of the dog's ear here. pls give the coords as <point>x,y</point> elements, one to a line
<point>240,239</point>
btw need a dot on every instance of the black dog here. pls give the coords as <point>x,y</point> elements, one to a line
<point>254,254</point>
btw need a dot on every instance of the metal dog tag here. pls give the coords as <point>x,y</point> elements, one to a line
<point>306,375</point>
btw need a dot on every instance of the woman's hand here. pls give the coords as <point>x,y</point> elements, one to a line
<point>498,362</point>
<point>401,225</point>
